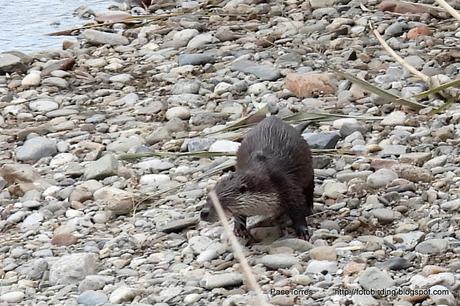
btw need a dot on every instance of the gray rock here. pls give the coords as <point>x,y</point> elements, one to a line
<point>415,158</point>
<point>180,112</point>
<point>199,144</point>
<point>71,269</point>
<point>92,298</point>
<point>381,178</point>
<point>105,166</point>
<point>32,222</point>
<point>123,295</point>
<point>451,206</point>
<point>221,280</point>
<point>186,87</point>
<point>365,300</point>
<point>395,29</point>
<point>293,243</point>
<point>346,176</point>
<point>55,81</point>
<point>11,63</point>
<point>264,72</point>
<point>374,278</point>
<point>321,266</point>
<point>385,215</point>
<point>94,282</point>
<point>199,243</point>
<point>121,78</point>
<point>389,150</point>
<point>279,261</point>
<point>315,4</point>
<point>321,140</point>
<point>440,298</point>
<point>37,269</point>
<point>406,241</point>
<point>103,38</point>
<point>125,144</point>
<point>160,134</point>
<point>43,106</point>
<point>194,59</point>
<point>154,164</point>
<point>350,127</point>
<point>432,246</point>
<point>396,263</point>
<point>34,149</point>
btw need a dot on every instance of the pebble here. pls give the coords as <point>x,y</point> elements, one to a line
<point>32,79</point>
<point>101,168</point>
<point>224,146</point>
<point>223,280</point>
<point>432,246</point>
<point>263,72</point>
<point>12,297</point>
<point>72,268</point>
<point>381,178</point>
<point>321,140</point>
<point>35,148</point>
<point>123,295</point>
<point>394,118</point>
<point>321,266</point>
<point>104,38</point>
<point>323,253</point>
<point>92,298</point>
<point>376,279</point>
<point>179,112</point>
<point>279,261</point>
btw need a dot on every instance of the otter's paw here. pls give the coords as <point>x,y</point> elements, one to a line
<point>302,232</point>
<point>244,233</point>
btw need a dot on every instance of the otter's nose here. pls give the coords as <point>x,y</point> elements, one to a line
<point>204,214</point>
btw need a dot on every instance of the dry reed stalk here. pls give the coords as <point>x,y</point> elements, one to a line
<point>238,251</point>
<point>449,9</point>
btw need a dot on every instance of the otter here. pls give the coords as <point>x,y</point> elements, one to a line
<point>274,177</point>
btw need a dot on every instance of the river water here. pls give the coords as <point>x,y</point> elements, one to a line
<point>24,23</point>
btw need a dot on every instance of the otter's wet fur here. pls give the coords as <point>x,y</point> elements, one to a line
<point>274,176</point>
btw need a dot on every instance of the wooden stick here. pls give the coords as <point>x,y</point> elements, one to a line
<point>399,59</point>
<point>238,251</point>
<point>449,9</point>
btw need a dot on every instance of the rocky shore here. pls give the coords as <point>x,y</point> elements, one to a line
<point>80,224</point>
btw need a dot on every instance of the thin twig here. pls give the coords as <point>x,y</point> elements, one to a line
<point>399,59</point>
<point>238,251</point>
<point>449,9</point>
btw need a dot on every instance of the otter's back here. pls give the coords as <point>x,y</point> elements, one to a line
<point>278,143</point>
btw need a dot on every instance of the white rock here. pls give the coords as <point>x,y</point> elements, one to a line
<point>381,178</point>
<point>123,295</point>
<point>201,40</point>
<point>32,222</point>
<point>71,269</point>
<point>257,88</point>
<point>185,35</point>
<point>154,180</point>
<point>334,189</point>
<point>121,78</point>
<point>224,146</point>
<point>222,88</point>
<point>32,79</point>
<point>337,124</point>
<point>12,297</point>
<point>394,118</point>
<point>43,106</point>
<point>62,159</point>
<point>180,112</point>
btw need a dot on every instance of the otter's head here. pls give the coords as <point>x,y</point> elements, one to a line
<point>238,193</point>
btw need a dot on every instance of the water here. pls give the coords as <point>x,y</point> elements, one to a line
<point>24,23</point>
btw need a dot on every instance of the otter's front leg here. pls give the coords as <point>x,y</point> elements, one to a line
<point>240,229</point>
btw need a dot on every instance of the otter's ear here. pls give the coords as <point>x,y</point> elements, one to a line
<point>243,187</point>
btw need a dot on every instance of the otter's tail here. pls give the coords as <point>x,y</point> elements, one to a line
<point>302,126</point>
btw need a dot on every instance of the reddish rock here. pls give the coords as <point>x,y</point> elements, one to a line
<point>353,267</point>
<point>378,164</point>
<point>309,85</point>
<point>401,7</point>
<point>422,30</point>
<point>63,239</point>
